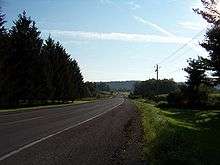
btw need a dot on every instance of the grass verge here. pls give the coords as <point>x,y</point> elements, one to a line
<point>176,136</point>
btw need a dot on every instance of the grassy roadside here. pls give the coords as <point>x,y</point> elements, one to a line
<point>180,137</point>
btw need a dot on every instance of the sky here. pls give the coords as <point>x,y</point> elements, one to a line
<point>119,39</point>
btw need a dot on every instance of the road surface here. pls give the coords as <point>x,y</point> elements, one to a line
<point>103,132</point>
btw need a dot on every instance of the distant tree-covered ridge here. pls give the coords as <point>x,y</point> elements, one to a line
<point>102,86</point>
<point>154,87</point>
<point>33,69</point>
<point>120,86</point>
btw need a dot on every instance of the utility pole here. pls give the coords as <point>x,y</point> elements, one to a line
<point>157,71</point>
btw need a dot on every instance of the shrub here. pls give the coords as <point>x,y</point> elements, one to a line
<point>188,98</point>
<point>163,104</point>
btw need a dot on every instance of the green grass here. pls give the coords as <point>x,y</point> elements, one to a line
<point>176,136</point>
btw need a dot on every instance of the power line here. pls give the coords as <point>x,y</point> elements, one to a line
<point>182,47</point>
<point>185,52</point>
<point>174,71</point>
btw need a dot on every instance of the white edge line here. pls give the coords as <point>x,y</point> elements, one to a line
<point>49,136</point>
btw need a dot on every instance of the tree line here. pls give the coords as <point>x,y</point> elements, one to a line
<point>33,69</point>
<point>153,87</point>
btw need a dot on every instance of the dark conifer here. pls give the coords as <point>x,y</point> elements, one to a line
<point>26,44</point>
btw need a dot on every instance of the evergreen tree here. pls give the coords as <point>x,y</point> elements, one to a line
<point>4,53</point>
<point>195,93</point>
<point>31,71</point>
<point>196,74</point>
<point>63,77</point>
<point>2,22</point>
<point>210,12</point>
<point>212,45</point>
<point>3,38</point>
<point>49,67</point>
<point>90,89</point>
<point>212,38</point>
<point>77,79</point>
<point>25,60</point>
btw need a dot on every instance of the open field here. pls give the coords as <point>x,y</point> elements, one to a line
<point>174,136</point>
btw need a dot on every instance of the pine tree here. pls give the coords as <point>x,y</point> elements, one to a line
<point>4,53</point>
<point>195,94</point>
<point>64,80</point>
<point>210,11</point>
<point>49,67</point>
<point>196,74</point>
<point>31,71</point>
<point>26,43</point>
<point>77,80</point>
<point>212,38</point>
<point>212,45</point>
<point>3,38</point>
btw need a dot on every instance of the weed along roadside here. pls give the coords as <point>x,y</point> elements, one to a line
<point>173,136</point>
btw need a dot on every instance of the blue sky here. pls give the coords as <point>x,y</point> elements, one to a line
<point>119,39</point>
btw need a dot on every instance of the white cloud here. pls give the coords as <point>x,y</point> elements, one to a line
<point>133,5</point>
<point>192,44</point>
<point>126,37</point>
<point>192,25</point>
<point>141,20</point>
<point>106,1</point>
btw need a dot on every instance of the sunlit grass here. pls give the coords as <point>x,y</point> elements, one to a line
<point>176,136</point>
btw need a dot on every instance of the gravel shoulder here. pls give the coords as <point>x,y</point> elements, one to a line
<point>113,138</point>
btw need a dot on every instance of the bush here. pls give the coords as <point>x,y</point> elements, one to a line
<point>163,104</point>
<point>132,96</point>
<point>188,98</point>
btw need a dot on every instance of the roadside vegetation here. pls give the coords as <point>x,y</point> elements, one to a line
<point>181,121</point>
<point>176,136</point>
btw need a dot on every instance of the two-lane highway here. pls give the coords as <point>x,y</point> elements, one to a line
<point>19,131</point>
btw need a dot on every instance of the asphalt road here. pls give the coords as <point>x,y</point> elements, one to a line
<point>80,134</point>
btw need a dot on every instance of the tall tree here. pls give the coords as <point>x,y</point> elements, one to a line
<point>26,43</point>
<point>49,66</point>
<point>196,74</point>
<point>212,45</point>
<point>63,77</point>
<point>4,53</point>
<point>210,11</point>
<point>3,37</point>
<point>2,22</point>
<point>211,14</point>
<point>77,79</point>
<point>31,71</point>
